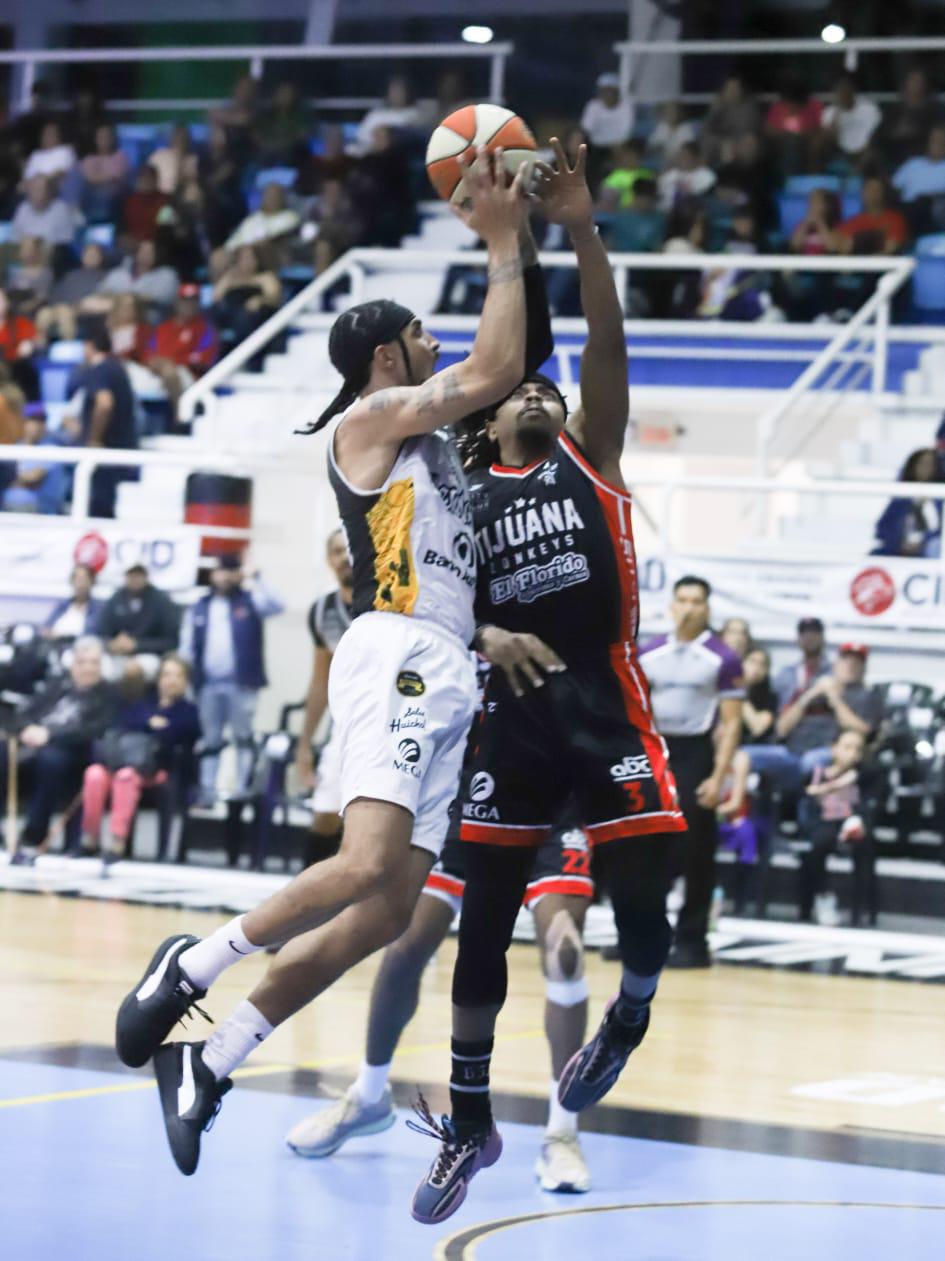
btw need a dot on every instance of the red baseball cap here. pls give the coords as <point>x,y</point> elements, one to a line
<point>858,650</point>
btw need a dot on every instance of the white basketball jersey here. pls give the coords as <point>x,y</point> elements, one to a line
<point>411,540</point>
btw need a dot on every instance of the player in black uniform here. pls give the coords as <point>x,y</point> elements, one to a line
<point>556,560</point>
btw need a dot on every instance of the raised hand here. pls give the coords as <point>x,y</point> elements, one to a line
<point>561,190</point>
<point>496,202</point>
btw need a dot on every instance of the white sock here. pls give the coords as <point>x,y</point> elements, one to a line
<point>204,962</point>
<point>372,1080</point>
<point>560,1121</point>
<point>229,1045</point>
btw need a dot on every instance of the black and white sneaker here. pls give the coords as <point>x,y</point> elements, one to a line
<point>191,1097</point>
<point>162,997</point>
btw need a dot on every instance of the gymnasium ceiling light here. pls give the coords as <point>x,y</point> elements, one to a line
<point>833,33</point>
<point>477,34</point>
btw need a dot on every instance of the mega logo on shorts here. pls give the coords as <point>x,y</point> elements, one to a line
<point>407,761</point>
<point>481,788</point>
<point>633,766</point>
<point>409,683</point>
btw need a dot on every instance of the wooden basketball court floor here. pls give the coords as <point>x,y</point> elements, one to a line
<point>769,1114</point>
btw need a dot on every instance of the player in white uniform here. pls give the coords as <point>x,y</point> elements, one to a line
<point>402,687</point>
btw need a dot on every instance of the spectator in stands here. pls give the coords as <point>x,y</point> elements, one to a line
<point>273,221</point>
<point>793,127</point>
<point>695,683</point>
<point>381,191</point>
<point>399,112</point>
<point>18,345</point>
<point>148,277</point>
<point>129,332</point>
<point>331,164</point>
<point>76,615</point>
<point>37,485</point>
<point>607,118</point>
<point>70,293</point>
<point>282,130</point>
<point>913,116</point>
<point>245,295</point>
<point>670,134</point>
<point>176,161</point>
<point>183,347</point>
<point>616,191</point>
<point>27,128</point>
<point>139,620</point>
<point>12,419</point>
<point>838,701</point>
<point>336,222</point>
<point>795,678</point>
<point>732,116</point>
<point>147,738</point>
<point>760,706</point>
<point>877,229</point>
<point>30,278</point>
<point>219,186</point>
<point>815,234</point>
<point>44,215</point>
<point>913,527</point>
<point>920,183</point>
<point>141,207</point>
<point>641,227</point>
<point>52,159</point>
<point>55,736</point>
<point>687,180</point>
<point>107,419</point>
<point>104,175</point>
<point>748,180</point>
<point>223,638</point>
<point>736,634</point>
<point>851,122</point>
<point>831,815</point>
<point>238,118</point>
<point>84,118</point>
<point>807,295</point>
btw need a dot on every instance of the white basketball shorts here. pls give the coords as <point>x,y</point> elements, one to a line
<point>326,799</point>
<point>402,695</point>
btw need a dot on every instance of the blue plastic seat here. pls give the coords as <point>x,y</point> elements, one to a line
<point>928,279</point>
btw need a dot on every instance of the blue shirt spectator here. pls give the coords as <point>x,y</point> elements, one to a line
<point>78,614</point>
<point>924,176</point>
<point>913,526</point>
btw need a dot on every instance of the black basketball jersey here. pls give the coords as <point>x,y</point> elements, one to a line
<point>328,619</point>
<point>554,546</point>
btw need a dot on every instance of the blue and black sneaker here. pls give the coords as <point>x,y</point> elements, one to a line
<point>590,1073</point>
<point>461,1156</point>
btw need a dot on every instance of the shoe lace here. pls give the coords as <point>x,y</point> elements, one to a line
<point>191,1005</point>
<point>222,1087</point>
<point>444,1131</point>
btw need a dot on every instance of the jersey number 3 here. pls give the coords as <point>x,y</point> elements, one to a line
<point>634,793</point>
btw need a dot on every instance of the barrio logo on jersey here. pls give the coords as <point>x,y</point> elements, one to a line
<point>633,766</point>
<point>524,526</point>
<point>534,581</point>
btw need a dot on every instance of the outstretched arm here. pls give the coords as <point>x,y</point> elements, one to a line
<point>600,422</point>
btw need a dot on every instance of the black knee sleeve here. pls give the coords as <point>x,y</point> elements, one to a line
<point>644,937</point>
<point>638,875</point>
<point>496,879</point>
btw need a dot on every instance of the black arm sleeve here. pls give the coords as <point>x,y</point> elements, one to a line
<point>539,343</point>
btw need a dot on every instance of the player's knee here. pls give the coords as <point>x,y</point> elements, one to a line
<point>365,872</point>
<point>563,955</point>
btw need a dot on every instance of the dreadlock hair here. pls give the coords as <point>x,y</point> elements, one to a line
<point>477,450</point>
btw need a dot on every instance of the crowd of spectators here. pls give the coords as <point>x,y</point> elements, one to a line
<point>109,698</point>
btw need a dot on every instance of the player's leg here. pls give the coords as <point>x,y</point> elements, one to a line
<point>194,1077</point>
<point>559,927</point>
<point>638,871</point>
<point>367,1107</point>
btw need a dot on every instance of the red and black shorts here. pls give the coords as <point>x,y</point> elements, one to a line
<point>588,733</point>
<point>562,865</point>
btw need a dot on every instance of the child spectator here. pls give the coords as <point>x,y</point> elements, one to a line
<point>831,815</point>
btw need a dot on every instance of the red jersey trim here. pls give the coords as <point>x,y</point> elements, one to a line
<point>637,825</point>
<point>504,470</point>
<point>503,834</point>
<point>585,465</point>
<point>569,886</point>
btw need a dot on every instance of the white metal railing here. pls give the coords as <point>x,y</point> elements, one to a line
<point>629,51</point>
<point>359,263</point>
<point>257,55</point>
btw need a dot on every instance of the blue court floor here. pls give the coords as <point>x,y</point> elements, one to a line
<point>86,1177</point>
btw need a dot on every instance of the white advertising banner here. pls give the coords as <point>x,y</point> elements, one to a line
<point>876,592</point>
<point>37,556</point>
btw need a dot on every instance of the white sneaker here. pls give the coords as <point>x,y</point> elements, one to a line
<point>325,1131</point>
<point>561,1165</point>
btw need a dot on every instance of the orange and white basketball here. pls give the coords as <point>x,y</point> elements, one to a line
<point>468,128</point>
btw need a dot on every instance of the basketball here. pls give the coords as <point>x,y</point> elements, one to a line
<point>468,128</point>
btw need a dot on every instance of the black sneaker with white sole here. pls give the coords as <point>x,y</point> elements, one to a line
<point>191,1097</point>
<point>162,997</point>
